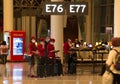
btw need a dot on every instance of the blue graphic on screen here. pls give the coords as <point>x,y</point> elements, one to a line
<point>17,46</point>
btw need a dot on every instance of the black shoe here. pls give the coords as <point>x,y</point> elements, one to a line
<point>33,76</point>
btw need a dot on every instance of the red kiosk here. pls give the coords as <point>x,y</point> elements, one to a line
<point>17,45</point>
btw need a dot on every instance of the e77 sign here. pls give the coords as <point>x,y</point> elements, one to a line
<point>61,8</point>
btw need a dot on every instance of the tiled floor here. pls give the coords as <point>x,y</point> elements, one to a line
<point>17,74</point>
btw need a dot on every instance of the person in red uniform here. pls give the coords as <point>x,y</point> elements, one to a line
<point>41,47</point>
<point>66,48</point>
<point>41,59</point>
<point>51,56</point>
<point>32,50</point>
<point>51,50</point>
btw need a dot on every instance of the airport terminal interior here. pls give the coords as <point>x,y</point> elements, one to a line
<point>25,18</point>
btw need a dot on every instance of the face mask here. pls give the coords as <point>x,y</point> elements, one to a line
<point>33,41</point>
<point>47,40</point>
<point>52,43</point>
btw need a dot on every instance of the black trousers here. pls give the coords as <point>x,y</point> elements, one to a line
<point>116,78</point>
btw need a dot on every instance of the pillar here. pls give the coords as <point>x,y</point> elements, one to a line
<point>92,21</point>
<point>8,15</point>
<point>79,33</point>
<point>57,32</point>
<point>33,25</point>
<point>116,18</point>
<point>19,23</point>
<point>26,27</point>
<point>40,25</point>
<point>88,29</point>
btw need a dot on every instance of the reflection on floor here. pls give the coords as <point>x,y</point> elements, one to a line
<point>17,74</point>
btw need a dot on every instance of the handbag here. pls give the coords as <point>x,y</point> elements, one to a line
<point>107,77</point>
<point>27,56</point>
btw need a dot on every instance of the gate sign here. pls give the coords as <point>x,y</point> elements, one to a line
<point>61,8</point>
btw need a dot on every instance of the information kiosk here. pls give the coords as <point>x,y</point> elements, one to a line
<point>17,45</point>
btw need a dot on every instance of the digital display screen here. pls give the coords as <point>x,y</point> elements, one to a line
<point>17,46</point>
<point>89,45</point>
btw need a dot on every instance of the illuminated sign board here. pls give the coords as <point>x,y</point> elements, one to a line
<point>17,46</point>
<point>61,8</point>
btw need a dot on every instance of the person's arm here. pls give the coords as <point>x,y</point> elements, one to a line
<point>111,57</point>
<point>31,49</point>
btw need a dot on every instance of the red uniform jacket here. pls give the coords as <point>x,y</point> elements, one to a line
<point>41,50</point>
<point>32,47</point>
<point>66,48</point>
<point>50,47</point>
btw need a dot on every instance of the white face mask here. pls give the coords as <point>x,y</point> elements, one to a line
<point>52,43</point>
<point>33,41</point>
<point>47,40</point>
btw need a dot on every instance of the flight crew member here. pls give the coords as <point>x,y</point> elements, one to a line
<point>51,50</point>
<point>51,56</point>
<point>66,48</point>
<point>32,50</point>
<point>41,59</point>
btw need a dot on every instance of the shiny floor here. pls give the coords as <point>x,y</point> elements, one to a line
<point>17,74</point>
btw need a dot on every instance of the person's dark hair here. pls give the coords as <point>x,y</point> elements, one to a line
<point>115,41</point>
<point>3,43</point>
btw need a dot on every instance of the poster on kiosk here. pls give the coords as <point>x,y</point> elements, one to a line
<point>17,45</point>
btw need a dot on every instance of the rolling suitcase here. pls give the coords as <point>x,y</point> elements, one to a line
<point>58,70</point>
<point>55,72</point>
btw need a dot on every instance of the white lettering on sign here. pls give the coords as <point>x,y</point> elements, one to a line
<point>77,8</point>
<point>52,8</point>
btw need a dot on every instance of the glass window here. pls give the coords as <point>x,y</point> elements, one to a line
<point>103,15</point>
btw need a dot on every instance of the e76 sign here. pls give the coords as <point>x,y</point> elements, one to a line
<point>61,8</point>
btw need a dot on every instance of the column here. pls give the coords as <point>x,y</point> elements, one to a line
<point>23,23</point>
<point>8,15</point>
<point>8,19</point>
<point>28,29</point>
<point>79,33</point>
<point>88,28</point>
<point>40,27</point>
<point>116,18</point>
<point>33,25</point>
<point>14,23</point>
<point>19,23</point>
<point>92,21</point>
<point>57,31</point>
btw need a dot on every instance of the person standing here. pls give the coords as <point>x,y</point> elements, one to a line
<point>3,57</point>
<point>51,56</point>
<point>76,43</point>
<point>41,48</point>
<point>66,48</point>
<point>111,59</point>
<point>47,41</point>
<point>32,50</point>
<point>41,59</point>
